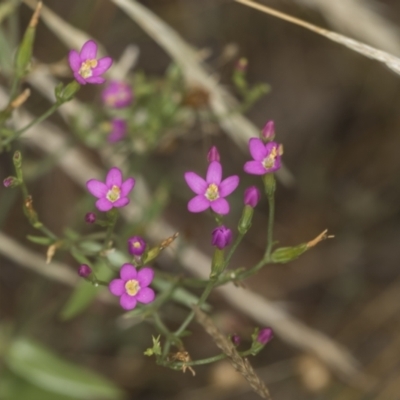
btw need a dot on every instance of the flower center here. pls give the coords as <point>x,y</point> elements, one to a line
<point>132,287</point>
<point>137,245</point>
<point>86,68</point>
<point>212,192</point>
<point>114,194</point>
<point>269,161</point>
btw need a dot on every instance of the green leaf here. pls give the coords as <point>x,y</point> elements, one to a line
<point>84,294</point>
<point>45,241</point>
<point>156,349</point>
<point>41,367</point>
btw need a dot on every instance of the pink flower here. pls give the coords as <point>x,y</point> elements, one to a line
<point>117,95</point>
<point>118,130</point>
<point>133,286</point>
<point>112,193</point>
<point>86,67</point>
<point>136,245</point>
<point>267,157</point>
<point>211,192</point>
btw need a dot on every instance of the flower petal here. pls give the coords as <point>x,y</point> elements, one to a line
<point>254,168</point>
<point>89,50</point>
<point>127,186</point>
<point>114,177</point>
<point>145,277</point>
<point>95,80</point>
<point>257,149</point>
<point>228,185</point>
<point>127,302</point>
<point>128,272</point>
<point>103,64</point>
<point>104,204</point>
<point>96,188</point>
<point>117,287</point>
<point>79,79</point>
<point>145,295</point>
<point>198,204</point>
<point>74,60</point>
<point>214,173</point>
<point>122,202</point>
<point>196,182</point>
<point>220,206</point>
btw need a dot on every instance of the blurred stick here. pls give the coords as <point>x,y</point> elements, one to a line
<point>35,262</point>
<point>389,60</point>
<point>357,18</point>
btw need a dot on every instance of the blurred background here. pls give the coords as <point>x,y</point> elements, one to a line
<point>336,113</point>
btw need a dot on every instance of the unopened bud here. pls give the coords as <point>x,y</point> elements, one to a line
<point>268,132</point>
<point>236,340</point>
<point>90,217</point>
<point>242,64</point>
<point>84,271</point>
<point>11,182</point>
<point>252,196</point>
<point>265,335</point>
<point>213,155</point>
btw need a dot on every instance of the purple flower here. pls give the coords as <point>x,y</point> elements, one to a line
<point>221,237</point>
<point>112,193</point>
<point>213,154</point>
<point>211,192</point>
<point>136,246</point>
<point>86,67</point>
<point>10,181</point>
<point>252,196</point>
<point>133,286</point>
<point>117,95</point>
<point>84,271</point>
<point>267,157</point>
<point>118,130</point>
<point>265,335</point>
<point>268,132</point>
<point>90,218</point>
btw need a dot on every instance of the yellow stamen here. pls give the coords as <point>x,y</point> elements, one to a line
<point>212,192</point>
<point>132,287</point>
<point>86,68</point>
<point>114,194</point>
<point>269,161</point>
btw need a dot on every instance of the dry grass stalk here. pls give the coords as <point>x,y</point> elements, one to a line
<point>358,18</point>
<point>242,365</point>
<point>389,60</point>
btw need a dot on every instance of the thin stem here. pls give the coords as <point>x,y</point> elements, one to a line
<point>270,229</point>
<point>37,120</point>
<point>48,232</point>
<point>113,215</point>
<point>233,249</point>
<point>201,301</point>
<point>209,360</point>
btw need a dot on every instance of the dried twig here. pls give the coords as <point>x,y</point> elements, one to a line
<point>389,60</point>
<point>242,365</point>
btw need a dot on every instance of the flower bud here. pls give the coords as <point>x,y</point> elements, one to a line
<point>252,196</point>
<point>221,237</point>
<point>213,155</point>
<point>11,181</point>
<point>265,335</point>
<point>286,254</point>
<point>84,271</point>
<point>17,159</point>
<point>136,245</point>
<point>90,218</point>
<point>236,339</point>
<point>268,132</point>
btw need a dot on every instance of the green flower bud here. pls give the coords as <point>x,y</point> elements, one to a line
<point>217,265</point>
<point>245,220</point>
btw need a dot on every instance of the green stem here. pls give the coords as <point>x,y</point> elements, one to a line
<point>37,120</point>
<point>233,249</point>
<point>201,301</point>
<point>113,215</point>
<point>48,233</point>
<point>179,365</point>
<point>270,229</point>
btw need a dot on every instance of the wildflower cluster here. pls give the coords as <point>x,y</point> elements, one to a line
<point>125,270</point>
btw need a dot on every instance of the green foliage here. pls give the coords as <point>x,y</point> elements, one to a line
<point>42,368</point>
